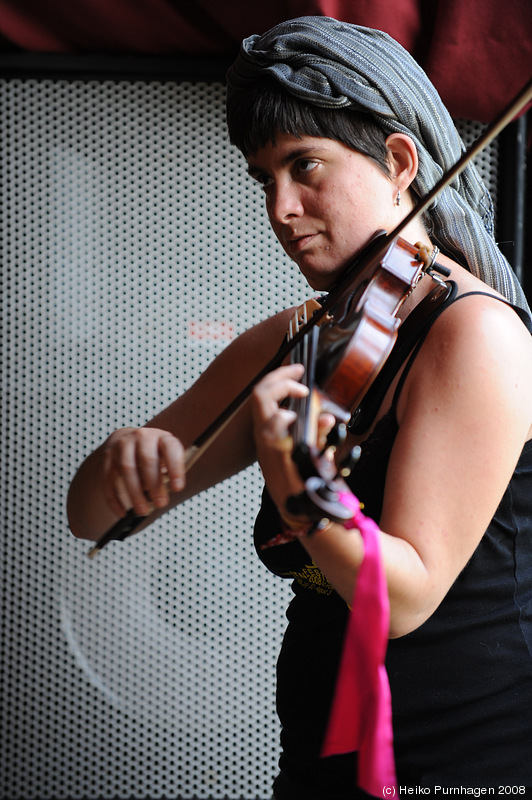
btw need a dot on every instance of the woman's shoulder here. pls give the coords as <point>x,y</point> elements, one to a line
<point>478,345</point>
<point>481,317</point>
<point>478,315</point>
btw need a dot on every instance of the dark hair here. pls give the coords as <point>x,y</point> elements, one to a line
<point>255,117</point>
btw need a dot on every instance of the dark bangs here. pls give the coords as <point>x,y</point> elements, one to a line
<point>255,117</point>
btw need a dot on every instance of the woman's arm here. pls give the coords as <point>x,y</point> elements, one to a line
<point>135,467</point>
<point>464,415</point>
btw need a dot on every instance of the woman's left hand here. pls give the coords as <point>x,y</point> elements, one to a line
<point>271,427</point>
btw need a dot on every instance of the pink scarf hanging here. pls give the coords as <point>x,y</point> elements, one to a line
<point>361,715</point>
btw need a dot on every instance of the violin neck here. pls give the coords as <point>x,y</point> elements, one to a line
<point>305,353</point>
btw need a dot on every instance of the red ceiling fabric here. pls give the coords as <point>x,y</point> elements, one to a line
<point>477,52</point>
<point>481,54</point>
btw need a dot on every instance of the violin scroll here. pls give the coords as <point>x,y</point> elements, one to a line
<point>321,500</point>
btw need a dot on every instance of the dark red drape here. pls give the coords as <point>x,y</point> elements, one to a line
<point>477,52</point>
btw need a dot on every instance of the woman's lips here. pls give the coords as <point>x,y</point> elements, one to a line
<point>298,243</point>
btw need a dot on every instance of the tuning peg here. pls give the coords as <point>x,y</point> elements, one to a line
<point>336,437</point>
<point>348,463</point>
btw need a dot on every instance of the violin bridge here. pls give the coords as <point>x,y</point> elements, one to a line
<point>302,315</point>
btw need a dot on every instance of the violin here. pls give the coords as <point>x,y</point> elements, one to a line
<point>360,324</point>
<point>342,358</point>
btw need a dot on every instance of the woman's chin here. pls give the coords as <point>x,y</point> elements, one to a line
<point>322,276</point>
<point>321,281</point>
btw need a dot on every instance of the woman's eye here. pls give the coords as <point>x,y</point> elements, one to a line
<point>263,180</point>
<point>306,165</point>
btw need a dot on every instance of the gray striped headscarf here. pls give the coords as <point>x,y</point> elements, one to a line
<point>334,64</point>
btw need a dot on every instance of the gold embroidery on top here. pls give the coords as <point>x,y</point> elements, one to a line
<point>310,577</point>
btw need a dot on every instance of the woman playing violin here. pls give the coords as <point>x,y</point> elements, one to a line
<point>344,132</point>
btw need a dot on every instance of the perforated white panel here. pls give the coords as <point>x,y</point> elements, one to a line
<point>134,248</point>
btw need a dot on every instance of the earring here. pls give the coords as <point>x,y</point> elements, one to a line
<point>398,198</point>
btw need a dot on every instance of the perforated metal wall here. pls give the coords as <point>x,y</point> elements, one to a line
<point>133,248</point>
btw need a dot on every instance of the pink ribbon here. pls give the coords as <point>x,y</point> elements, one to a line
<point>361,712</point>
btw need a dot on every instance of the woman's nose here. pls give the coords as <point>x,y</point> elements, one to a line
<point>284,202</point>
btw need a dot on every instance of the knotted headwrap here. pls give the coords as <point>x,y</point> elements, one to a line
<point>334,64</point>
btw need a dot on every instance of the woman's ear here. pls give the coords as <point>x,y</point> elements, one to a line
<point>402,160</point>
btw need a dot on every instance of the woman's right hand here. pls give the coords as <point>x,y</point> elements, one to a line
<point>141,466</point>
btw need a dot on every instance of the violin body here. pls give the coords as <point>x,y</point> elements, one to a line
<point>358,338</point>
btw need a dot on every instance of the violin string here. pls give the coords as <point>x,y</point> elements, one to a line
<point>299,354</point>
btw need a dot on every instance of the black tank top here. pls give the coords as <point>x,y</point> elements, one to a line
<point>461,683</point>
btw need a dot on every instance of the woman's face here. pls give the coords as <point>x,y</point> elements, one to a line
<point>324,202</point>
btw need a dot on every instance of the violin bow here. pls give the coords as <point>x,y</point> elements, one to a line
<point>127,525</point>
